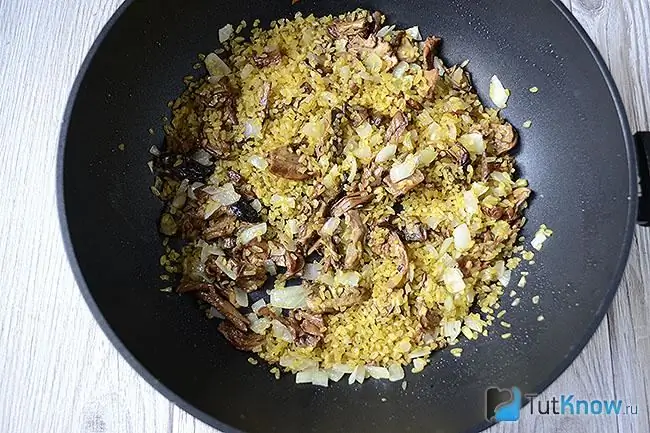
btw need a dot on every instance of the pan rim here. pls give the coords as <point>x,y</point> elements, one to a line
<point>179,401</point>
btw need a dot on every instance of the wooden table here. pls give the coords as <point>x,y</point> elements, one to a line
<point>59,373</point>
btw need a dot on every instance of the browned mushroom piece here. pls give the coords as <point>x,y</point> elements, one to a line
<point>387,244</point>
<point>495,212</point>
<point>354,235</point>
<point>460,154</point>
<point>192,222</point>
<point>252,258</point>
<point>230,111</point>
<point>286,164</point>
<point>358,45</point>
<point>194,286</point>
<point>349,202</point>
<point>241,340</point>
<point>432,76</point>
<point>430,50</point>
<point>414,231</point>
<point>341,28</point>
<point>520,195</point>
<point>377,21</point>
<point>311,323</point>
<point>294,263</point>
<point>430,320</point>
<point>371,177</point>
<point>396,128</point>
<point>216,147</point>
<point>505,138</point>
<point>176,144</point>
<point>414,105</point>
<point>267,59</point>
<point>264,98</point>
<point>223,226</point>
<point>225,307</point>
<point>406,51</point>
<point>357,115</point>
<point>405,185</point>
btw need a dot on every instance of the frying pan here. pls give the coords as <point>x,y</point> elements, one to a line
<point>579,157</point>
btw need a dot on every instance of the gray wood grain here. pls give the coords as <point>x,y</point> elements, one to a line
<point>59,373</point>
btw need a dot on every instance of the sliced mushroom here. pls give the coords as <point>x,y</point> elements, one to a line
<point>430,320</point>
<point>405,185</point>
<point>193,286</point>
<point>350,201</point>
<point>430,50</point>
<point>244,341</point>
<point>266,91</point>
<point>354,235</point>
<point>406,51</point>
<point>223,226</point>
<point>396,128</point>
<point>357,115</point>
<point>495,212</point>
<point>286,164</point>
<point>224,307</point>
<point>505,138</point>
<point>294,262</point>
<point>460,154</point>
<point>343,28</point>
<point>414,231</point>
<point>268,59</point>
<point>520,195</point>
<point>311,323</point>
<point>216,147</point>
<point>245,212</point>
<point>386,243</point>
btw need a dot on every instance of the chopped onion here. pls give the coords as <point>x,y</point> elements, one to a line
<point>358,374</point>
<point>462,238</point>
<point>385,31</point>
<point>386,153</point>
<point>473,143</point>
<point>330,226</point>
<point>400,69</point>
<point>258,162</point>
<point>311,271</point>
<point>347,278</point>
<point>226,195</point>
<point>418,365</point>
<point>154,150</point>
<point>221,264</point>
<point>289,297</point>
<point>320,378</point>
<point>292,226</point>
<point>270,267</point>
<point>395,372</point>
<point>215,66</point>
<point>538,240</point>
<point>150,165</point>
<point>414,32</point>
<point>377,372</point>
<point>504,278</point>
<point>335,375</point>
<point>471,202</point>
<point>211,207</point>
<point>364,130</point>
<point>439,65</point>
<point>281,331</point>
<point>253,232</point>
<point>252,128</point>
<point>498,94</point>
<point>419,352</point>
<point>343,368</point>
<point>216,313</point>
<point>257,205</point>
<point>202,157</point>
<point>426,156</point>
<point>404,170</point>
<point>258,304</point>
<point>451,329</point>
<point>241,298</point>
<point>226,33</point>
<point>453,279</point>
<point>305,376</point>
<point>208,250</point>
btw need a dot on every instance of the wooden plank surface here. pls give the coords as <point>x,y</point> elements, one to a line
<point>59,373</point>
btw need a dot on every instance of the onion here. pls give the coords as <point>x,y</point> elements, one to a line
<point>395,372</point>
<point>426,156</point>
<point>350,279</point>
<point>471,202</point>
<point>292,226</point>
<point>221,264</point>
<point>462,238</point>
<point>289,297</point>
<point>252,232</point>
<point>386,153</point>
<point>281,331</point>
<point>246,71</point>
<point>257,205</point>
<point>269,266</point>
<point>385,31</point>
<point>216,313</point>
<point>451,329</point>
<point>305,376</point>
<point>453,279</point>
<point>208,250</point>
<point>154,150</point>
<point>215,66</point>
<point>330,226</point>
<point>404,170</point>
<point>311,271</point>
<point>226,33</point>
<point>419,352</point>
<point>258,304</point>
<point>414,32</point>
<point>504,278</point>
<point>377,372</point>
<point>260,325</point>
<point>241,298</point>
<point>473,143</point>
<point>252,128</point>
<point>202,157</point>
<point>498,94</point>
<point>258,162</point>
<point>400,69</point>
<point>320,378</point>
<point>358,374</point>
<point>364,130</point>
<point>226,195</point>
<point>210,208</point>
<point>538,240</point>
<point>343,368</point>
<point>418,365</point>
<point>335,375</point>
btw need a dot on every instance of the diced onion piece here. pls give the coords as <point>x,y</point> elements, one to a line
<point>292,226</point>
<point>335,375</point>
<point>208,250</point>
<point>451,329</point>
<point>202,157</point>
<point>473,143</point>
<point>241,297</point>
<point>215,66</point>
<point>462,238</point>
<point>402,171</point>
<point>252,128</point>
<point>359,373</point>
<point>471,202</point>
<point>395,372</point>
<point>426,156</point>
<point>281,331</point>
<point>257,305</point>
<point>539,239</point>
<point>343,368</point>
<point>258,162</point>
<point>373,63</point>
<point>320,378</point>
<point>250,233</point>
<point>257,205</point>
<point>154,150</point>
<point>311,271</point>
<point>226,33</point>
<point>414,32</point>
<point>305,376</point>
<point>226,195</point>
<point>400,69</point>
<point>216,313</point>
<point>385,31</point>
<point>498,94</point>
<point>269,266</point>
<point>377,372</point>
<point>289,297</point>
<point>419,352</point>
<point>386,153</point>
<point>453,279</point>
<point>418,365</point>
<point>223,265</point>
<point>364,130</point>
<point>347,278</point>
<point>330,226</point>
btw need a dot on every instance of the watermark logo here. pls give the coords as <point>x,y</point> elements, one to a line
<point>502,404</point>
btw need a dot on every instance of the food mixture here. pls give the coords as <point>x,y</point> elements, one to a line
<point>347,203</point>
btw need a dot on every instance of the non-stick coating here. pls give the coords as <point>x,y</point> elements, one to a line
<point>576,156</point>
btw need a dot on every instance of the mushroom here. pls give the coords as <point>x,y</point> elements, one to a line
<point>287,165</point>
<point>414,231</point>
<point>349,298</point>
<point>460,154</point>
<point>505,138</point>
<point>400,188</point>
<point>223,226</point>
<point>294,263</point>
<point>349,202</point>
<point>396,128</point>
<point>268,59</point>
<point>430,50</point>
<point>343,28</point>
<point>354,236</point>
<point>224,307</point>
<point>241,340</point>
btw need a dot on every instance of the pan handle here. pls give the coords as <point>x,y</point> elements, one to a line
<point>643,159</point>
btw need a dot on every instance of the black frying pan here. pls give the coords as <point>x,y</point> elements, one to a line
<point>579,157</point>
